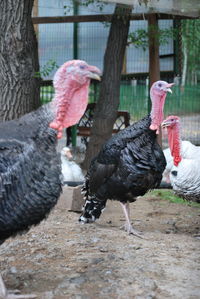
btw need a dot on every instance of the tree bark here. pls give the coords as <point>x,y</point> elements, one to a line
<point>19,88</point>
<point>107,105</point>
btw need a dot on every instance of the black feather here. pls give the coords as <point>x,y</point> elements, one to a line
<point>30,172</point>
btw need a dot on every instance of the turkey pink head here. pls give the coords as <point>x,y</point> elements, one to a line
<point>172,123</point>
<point>158,94</point>
<point>71,83</point>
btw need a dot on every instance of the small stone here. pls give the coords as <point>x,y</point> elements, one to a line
<point>168,231</point>
<point>13,270</point>
<point>103,250</point>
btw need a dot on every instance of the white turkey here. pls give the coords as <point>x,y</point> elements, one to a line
<point>188,151</point>
<point>129,164</point>
<point>185,173</point>
<point>71,170</point>
<point>30,167</point>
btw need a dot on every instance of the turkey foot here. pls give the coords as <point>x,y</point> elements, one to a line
<point>131,231</point>
<point>128,226</point>
<point>6,294</point>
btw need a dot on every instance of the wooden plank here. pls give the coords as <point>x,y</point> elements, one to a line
<point>72,19</point>
<point>100,18</point>
<point>167,55</point>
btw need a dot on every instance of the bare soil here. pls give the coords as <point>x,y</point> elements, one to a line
<point>61,258</point>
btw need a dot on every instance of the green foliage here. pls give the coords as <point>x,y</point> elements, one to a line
<point>191,41</point>
<point>67,9</point>
<point>99,5</point>
<point>140,37</point>
<point>166,34</point>
<point>191,33</point>
<point>46,69</point>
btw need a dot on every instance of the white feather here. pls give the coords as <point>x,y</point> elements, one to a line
<point>70,170</point>
<point>188,151</point>
<point>185,179</point>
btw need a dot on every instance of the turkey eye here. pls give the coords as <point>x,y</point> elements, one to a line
<point>174,173</point>
<point>172,119</point>
<point>82,67</point>
<point>159,85</point>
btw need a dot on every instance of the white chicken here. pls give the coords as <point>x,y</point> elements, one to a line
<point>70,170</point>
<point>185,173</point>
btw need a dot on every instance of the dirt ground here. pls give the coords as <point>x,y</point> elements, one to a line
<point>61,258</point>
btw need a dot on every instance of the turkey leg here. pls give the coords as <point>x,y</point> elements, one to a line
<point>128,226</point>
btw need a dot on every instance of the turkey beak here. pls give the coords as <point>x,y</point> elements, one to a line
<point>167,88</point>
<point>94,76</point>
<point>94,73</point>
<point>165,124</point>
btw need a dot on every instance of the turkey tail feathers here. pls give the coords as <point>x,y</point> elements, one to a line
<point>93,207</point>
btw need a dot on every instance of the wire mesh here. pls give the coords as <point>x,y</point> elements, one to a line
<point>56,43</point>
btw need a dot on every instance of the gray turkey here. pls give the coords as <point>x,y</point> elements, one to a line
<point>30,167</point>
<point>129,164</point>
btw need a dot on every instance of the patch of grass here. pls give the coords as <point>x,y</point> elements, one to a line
<point>171,197</point>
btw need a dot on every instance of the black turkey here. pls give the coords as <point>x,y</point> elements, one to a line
<point>129,164</point>
<point>30,167</point>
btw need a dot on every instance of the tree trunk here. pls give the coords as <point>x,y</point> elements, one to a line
<point>19,89</point>
<point>107,105</point>
<point>154,61</point>
<point>185,58</point>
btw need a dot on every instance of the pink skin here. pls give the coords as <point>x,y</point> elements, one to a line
<point>173,129</point>
<point>158,94</point>
<point>71,83</point>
